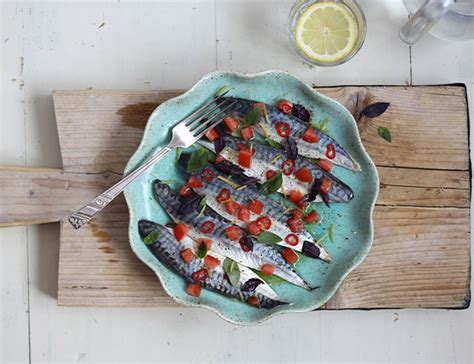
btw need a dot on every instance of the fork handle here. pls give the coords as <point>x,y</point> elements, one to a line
<point>87,212</point>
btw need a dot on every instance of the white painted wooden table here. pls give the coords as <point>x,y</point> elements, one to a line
<point>171,44</point>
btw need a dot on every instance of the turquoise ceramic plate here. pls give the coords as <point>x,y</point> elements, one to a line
<point>353,227</point>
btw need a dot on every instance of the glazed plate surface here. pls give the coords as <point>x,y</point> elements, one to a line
<point>353,225</point>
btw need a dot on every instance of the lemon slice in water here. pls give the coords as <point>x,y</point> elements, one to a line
<point>326,32</point>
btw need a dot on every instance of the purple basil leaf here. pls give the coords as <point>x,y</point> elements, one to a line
<point>189,203</point>
<point>219,145</point>
<point>221,130</point>
<point>300,112</point>
<point>291,148</point>
<point>374,110</point>
<point>325,198</point>
<point>228,168</point>
<point>248,181</point>
<point>314,191</point>
<point>247,241</point>
<point>251,285</point>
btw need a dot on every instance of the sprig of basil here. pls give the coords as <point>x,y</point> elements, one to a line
<point>272,185</point>
<point>199,158</point>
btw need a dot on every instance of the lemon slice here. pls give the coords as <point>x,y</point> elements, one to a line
<point>326,32</point>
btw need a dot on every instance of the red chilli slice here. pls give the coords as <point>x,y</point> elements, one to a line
<point>288,167</point>
<point>292,239</point>
<point>207,227</point>
<point>283,129</point>
<point>208,175</point>
<point>331,151</point>
<point>200,275</point>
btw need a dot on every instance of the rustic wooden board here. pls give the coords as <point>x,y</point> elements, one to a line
<point>420,256</point>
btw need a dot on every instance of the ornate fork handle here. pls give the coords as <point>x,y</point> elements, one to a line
<point>87,212</point>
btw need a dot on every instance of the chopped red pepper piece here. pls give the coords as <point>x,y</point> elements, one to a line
<point>185,190</point>
<point>231,207</point>
<point>264,222</point>
<point>223,196</point>
<point>208,174</point>
<point>200,275</point>
<point>207,227</point>
<point>233,232</point>
<point>288,167</point>
<point>295,225</point>
<point>254,301</point>
<point>289,255</point>
<point>211,262</point>
<point>247,133</point>
<point>244,214</point>
<point>255,206</point>
<point>310,135</point>
<point>292,239</point>
<point>295,195</point>
<point>187,255</point>
<point>283,129</point>
<point>231,123</point>
<point>325,164</point>
<point>297,213</point>
<point>212,134</point>
<point>304,175</point>
<point>194,289</point>
<point>313,216</point>
<point>331,151</point>
<point>325,185</point>
<point>270,174</point>
<point>180,231</point>
<point>194,182</point>
<point>285,106</point>
<point>245,158</point>
<point>267,269</point>
<point>254,228</point>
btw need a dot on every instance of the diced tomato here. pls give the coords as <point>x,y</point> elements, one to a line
<point>267,269</point>
<point>292,239</point>
<point>295,195</point>
<point>247,133</point>
<point>242,146</point>
<point>304,175</point>
<point>207,227</point>
<point>254,228</point>
<point>331,151</point>
<point>325,185</point>
<point>231,123</point>
<point>254,301</point>
<point>244,214</point>
<point>211,262</point>
<point>180,231</point>
<point>208,174</point>
<point>233,232</point>
<point>264,222</point>
<point>313,216</point>
<point>212,134</point>
<point>245,158</point>
<point>231,207</point>
<point>285,106</point>
<point>288,167</point>
<point>297,213</point>
<point>194,182</point>
<point>302,204</point>
<point>310,135</point>
<point>194,289</point>
<point>289,255</point>
<point>296,225</point>
<point>283,129</point>
<point>270,174</point>
<point>219,159</point>
<point>255,206</point>
<point>187,255</point>
<point>185,190</point>
<point>325,164</point>
<point>223,196</point>
<point>208,243</point>
<point>200,275</point>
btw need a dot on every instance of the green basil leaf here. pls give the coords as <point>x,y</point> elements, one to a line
<point>211,156</point>
<point>273,143</point>
<point>231,268</point>
<point>271,280</point>
<point>202,250</point>
<point>253,117</point>
<point>331,233</point>
<point>198,159</point>
<point>385,133</point>
<point>151,238</point>
<point>272,185</point>
<point>268,238</point>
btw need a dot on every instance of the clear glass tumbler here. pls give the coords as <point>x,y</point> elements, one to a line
<point>325,33</point>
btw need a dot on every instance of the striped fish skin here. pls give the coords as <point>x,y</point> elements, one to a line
<point>168,250</point>
<point>260,255</point>
<point>271,208</point>
<point>298,127</point>
<point>267,157</point>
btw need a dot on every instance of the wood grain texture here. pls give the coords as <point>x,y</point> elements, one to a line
<point>420,255</point>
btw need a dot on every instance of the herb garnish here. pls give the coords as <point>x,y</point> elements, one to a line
<point>268,238</point>
<point>231,268</point>
<point>201,250</point>
<point>272,185</point>
<point>151,238</point>
<point>385,133</point>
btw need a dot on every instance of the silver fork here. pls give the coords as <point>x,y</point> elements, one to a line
<point>184,134</point>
